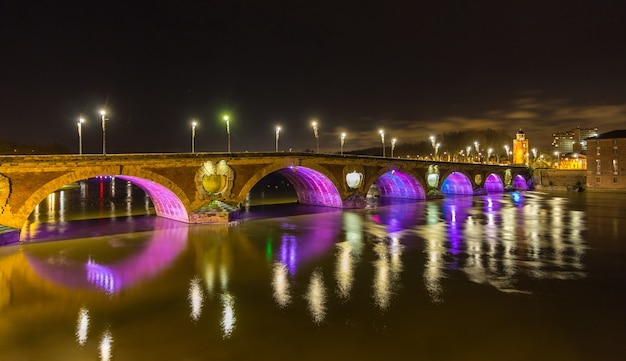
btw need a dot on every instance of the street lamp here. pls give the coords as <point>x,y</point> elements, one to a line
<point>104,132</point>
<point>437,150</point>
<point>489,151</point>
<point>382,139</point>
<point>227,120</point>
<point>80,135</point>
<point>393,146</point>
<point>193,137</point>
<point>558,159</point>
<point>507,152</point>
<point>343,139</point>
<point>469,149</point>
<point>277,136</point>
<point>317,136</point>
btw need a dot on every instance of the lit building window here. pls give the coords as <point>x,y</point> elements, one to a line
<point>598,169</point>
<point>615,167</point>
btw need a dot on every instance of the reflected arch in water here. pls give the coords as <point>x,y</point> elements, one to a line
<point>312,187</point>
<point>167,241</point>
<point>457,183</point>
<point>396,184</point>
<point>519,183</point>
<point>494,184</point>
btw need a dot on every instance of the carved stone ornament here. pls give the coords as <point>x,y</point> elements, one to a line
<point>478,179</point>
<point>354,176</point>
<point>432,176</point>
<point>214,181</point>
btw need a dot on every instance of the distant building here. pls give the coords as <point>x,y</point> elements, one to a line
<point>606,157</point>
<point>576,161</point>
<point>520,148</point>
<point>573,141</point>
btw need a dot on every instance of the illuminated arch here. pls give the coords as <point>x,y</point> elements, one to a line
<point>395,184</point>
<point>494,184</point>
<point>168,203</point>
<point>519,183</point>
<point>457,183</point>
<point>312,187</point>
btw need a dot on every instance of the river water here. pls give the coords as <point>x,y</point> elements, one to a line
<point>514,276</point>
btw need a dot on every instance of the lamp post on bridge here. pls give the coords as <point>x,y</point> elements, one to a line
<point>104,132</point>
<point>382,139</point>
<point>317,136</point>
<point>277,136</point>
<point>80,135</point>
<point>193,137</point>
<point>342,140</point>
<point>227,120</point>
<point>393,146</point>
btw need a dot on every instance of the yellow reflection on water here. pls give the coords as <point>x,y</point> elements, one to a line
<point>344,271</point>
<point>316,297</point>
<point>196,298</point>
<point>106,346</point>
<point>228,314</point>
<point>387,271</point>
<point>280,284</point>
<point>82,326</point>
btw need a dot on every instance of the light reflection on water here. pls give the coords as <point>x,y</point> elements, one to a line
<point>385,282</point>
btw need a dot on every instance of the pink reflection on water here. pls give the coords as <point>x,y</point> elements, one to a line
<point>168,240</point>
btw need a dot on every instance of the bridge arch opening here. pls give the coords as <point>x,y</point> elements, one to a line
<point>312,187</point>
<point>395,184</point>
<point>457,183</point>
<point>494,184</point>
<point>519,183</point>
<point>166,203</point>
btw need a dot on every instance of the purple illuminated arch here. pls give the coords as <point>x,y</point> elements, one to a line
<point>394,184</point>
<point>519,183</point>
<point>312,187</point>
<point>166,203</point>
<point>457,183</point>
<point>493,184</point>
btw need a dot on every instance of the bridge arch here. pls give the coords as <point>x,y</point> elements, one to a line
<point>399,184</point>
<point>313,185</point>
<point>169,201</point>
<point>519,183</point>
<point>494,184</point>
<point>457,183</point>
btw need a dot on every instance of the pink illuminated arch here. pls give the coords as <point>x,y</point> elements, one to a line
<point>519,183</point>
<point>493,184</point>
<point>166,203</point>
<point>457,183</point>
<point>312,187</point>
<point>394,184</point>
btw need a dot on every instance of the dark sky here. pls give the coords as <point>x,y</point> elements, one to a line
<point>413,68</point>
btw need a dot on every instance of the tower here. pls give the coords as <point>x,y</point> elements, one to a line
<point>520,148</point>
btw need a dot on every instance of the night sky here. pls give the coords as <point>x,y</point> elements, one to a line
<point>413,68</point>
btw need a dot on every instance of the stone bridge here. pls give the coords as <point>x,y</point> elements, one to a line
<point>190,187</point>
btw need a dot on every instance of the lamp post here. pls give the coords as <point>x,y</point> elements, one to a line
<point>393,146</point>
<point>506,147</point>
<point>382,139</point>
<point>193,137</point>
<point>104,132</point>
<point>437,151</point>
<point>227,120</point>
<point>489,151</point>
<point>341,141</point>
<point>317,136</point>
<point>468,149</point>
<point>277,136</point>
<point>80,135</point>
<point>558,159</point>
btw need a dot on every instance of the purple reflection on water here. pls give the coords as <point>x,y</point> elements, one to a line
<point>493,184</point>
<point>457,183</point>
<point>166,203</point>
<point>312,187</point>
<point>305,243</point>
<point>168,240</point>
<point>394,184</point>
<point>400,216</point>
<point>519,183</point>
